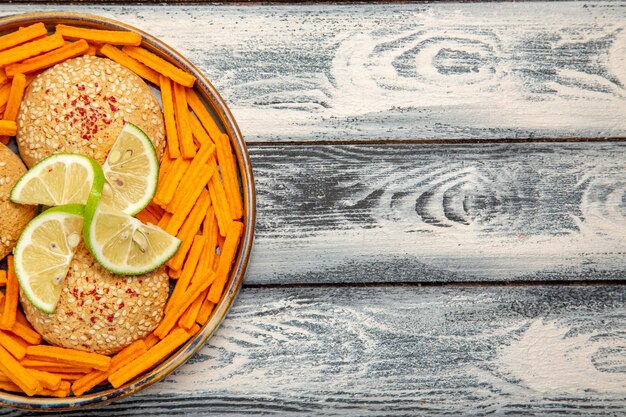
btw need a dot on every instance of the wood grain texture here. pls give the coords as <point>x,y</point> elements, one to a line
<point>470,212</point>
<point>404,351</point>
<point>402,71</point>
<point>398,213</point>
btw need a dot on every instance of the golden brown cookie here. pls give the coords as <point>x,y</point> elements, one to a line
<point>99,311</point>
<point>13,217</point>
<point>81,105</point>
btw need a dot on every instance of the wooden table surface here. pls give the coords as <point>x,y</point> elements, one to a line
<point>441,208</point>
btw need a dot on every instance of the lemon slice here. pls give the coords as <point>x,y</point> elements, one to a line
<point>58,180</point>
<point>131,171</point>
<point>44,251</point>
<point>123,244</point>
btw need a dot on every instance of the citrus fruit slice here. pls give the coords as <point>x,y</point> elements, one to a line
<point>59,179</point>
<point>123,244</point>
<point>131,171</point>
<point>44,251</point>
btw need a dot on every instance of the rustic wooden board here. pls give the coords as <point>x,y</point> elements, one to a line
<point>457,212</point>
<point>404,351</point>
<point>402,71</point>
<point>396,211</point>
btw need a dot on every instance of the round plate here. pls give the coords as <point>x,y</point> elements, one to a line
<point>227,124</point>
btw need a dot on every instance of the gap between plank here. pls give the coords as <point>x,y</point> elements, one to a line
<point>430,141</point>
<point>552,283</point>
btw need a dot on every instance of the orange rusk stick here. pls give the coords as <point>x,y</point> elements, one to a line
<point>154,355</point>
<point>5,91</point>
<point>3,277</point>
<point>26,332</point>
<point>61,392</point>
<point>198,285</point>
<point>212,232</point>
<point>19,375</point>
<point>146,217</point>
<point>11,297</point>
<point>3,77</point>
<point>206,263</point>
<point>160,65</point>
<point>92,50</point>
<point>181,110</point>
<point>30,77</point>
<point>167,99</point>
<point>208,220</point>
<point>183,210</point>
<point>174,273</point>
<point>190,179</point>
<point>227,256</point>
<point>69,50</point>
<point>151,340</point>
<point>205,312</point>
<point>216,261</point>
<point>220,242</point>
<point>164,171</point>
<point>54,367</point>
<point>46,379</point>
<point>9,386</point>
<point>165,165</point>
<point>122,358</point>
<point>16,339</point>
<point>155,210</point>
<point>228,169</point>
<point>203,114</point>
<point>164,220</point>
<point>65,376</point>
<point>164,195</point>
<point>15,97</point>
<point>30,49</point>
<point>17,349</point>
<point>132,64</point>
<point>19,316</point>
<point>218,198</point>
<point>8,128</point>
<point>200,135</point>
<point>114,37</point>
<point>60,371</point>
<point>69,356</point>
<point>189,316</point>
<point>178,218</point>
<point>188,270</point>
<point>189,229</point>
<point>22,35</point>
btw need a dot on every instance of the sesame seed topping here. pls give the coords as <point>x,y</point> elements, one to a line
<point>99,311</point>
<point>80,106</point>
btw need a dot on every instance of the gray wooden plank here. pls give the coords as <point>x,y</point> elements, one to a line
<point>404,351</point>
<point>398,71</point>
<point>425,212</point>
